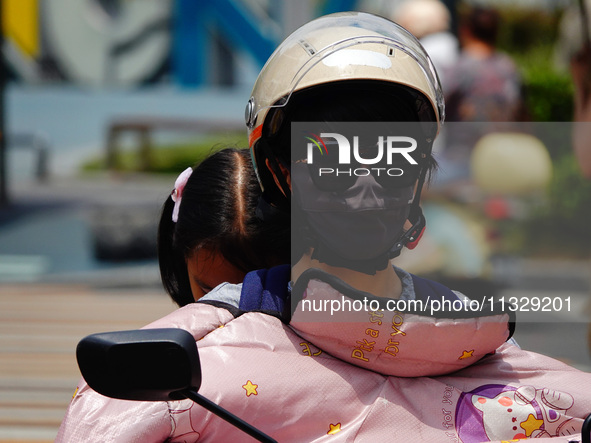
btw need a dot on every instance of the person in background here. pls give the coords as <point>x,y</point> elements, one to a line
<point>214,236</point>
<point>485,84</point>
<point>430,21</point>
<point>573,51</point>
<point>580,66</point>
<point>581,73</point>
<point>575,45</point>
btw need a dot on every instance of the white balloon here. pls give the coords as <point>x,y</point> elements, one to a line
<point>510,163</point>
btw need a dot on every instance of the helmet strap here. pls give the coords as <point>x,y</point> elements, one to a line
<point>273,164</point>
<point>412,236</point>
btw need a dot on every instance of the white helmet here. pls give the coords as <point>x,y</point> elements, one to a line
<point>338,48</point>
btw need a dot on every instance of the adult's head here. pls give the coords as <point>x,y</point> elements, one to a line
<point>423,17</point>
<point>480,24</point>
<point>214,235</point>
<point>345,67</point>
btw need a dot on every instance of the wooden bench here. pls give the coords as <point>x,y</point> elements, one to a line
<point>144,127</point>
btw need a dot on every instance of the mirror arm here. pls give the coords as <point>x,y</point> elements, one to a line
<point>586,430</point>
<point>226,415</point>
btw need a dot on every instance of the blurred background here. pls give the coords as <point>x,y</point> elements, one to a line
<point>104,102</point>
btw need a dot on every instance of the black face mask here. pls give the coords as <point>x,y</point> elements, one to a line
<point>356,227</point>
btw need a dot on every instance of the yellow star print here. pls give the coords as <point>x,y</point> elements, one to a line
<point>466,354</point>
<point>531,424</point>
<point>250,388</point>
<point>334,429</point>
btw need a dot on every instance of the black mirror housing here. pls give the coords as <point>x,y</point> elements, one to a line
<point>144,365</point>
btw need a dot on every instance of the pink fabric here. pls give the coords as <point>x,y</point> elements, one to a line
<point>297,389</point>
<point>394,344</point>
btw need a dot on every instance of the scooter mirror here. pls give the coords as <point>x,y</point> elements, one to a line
<point>149,365</point>
<point>145,365</point>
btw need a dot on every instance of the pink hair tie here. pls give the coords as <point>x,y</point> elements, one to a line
<point>177,193</point>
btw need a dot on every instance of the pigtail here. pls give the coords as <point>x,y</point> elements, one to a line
<point>171,260</point>
<point>217,214</point>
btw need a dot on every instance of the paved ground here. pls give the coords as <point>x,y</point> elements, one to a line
<point>54,291</point>
<point>40,326</point>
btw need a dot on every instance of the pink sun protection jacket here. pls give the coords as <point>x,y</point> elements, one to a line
<point>344,376</point>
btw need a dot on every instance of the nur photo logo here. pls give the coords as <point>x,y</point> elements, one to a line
<point>380,155</point>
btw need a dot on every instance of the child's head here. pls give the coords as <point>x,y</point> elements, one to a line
<point>348,67</point>
<point>216,236</point>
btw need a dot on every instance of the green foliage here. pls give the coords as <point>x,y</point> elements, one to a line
<point>171,158</point>
<point>561,227</point>
<point>549,97</point>
<point>529,36</point>
<point>527,28</point>
<point>548,92</point>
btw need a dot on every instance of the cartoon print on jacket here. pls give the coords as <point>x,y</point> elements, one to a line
<point>183,425</point>
<point>501,412</point>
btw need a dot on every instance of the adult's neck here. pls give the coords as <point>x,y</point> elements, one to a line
<point>478,49</point>
<point>384,283</point>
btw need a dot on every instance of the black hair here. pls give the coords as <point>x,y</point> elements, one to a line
<point>217,212</point>
<point>483,23</point>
